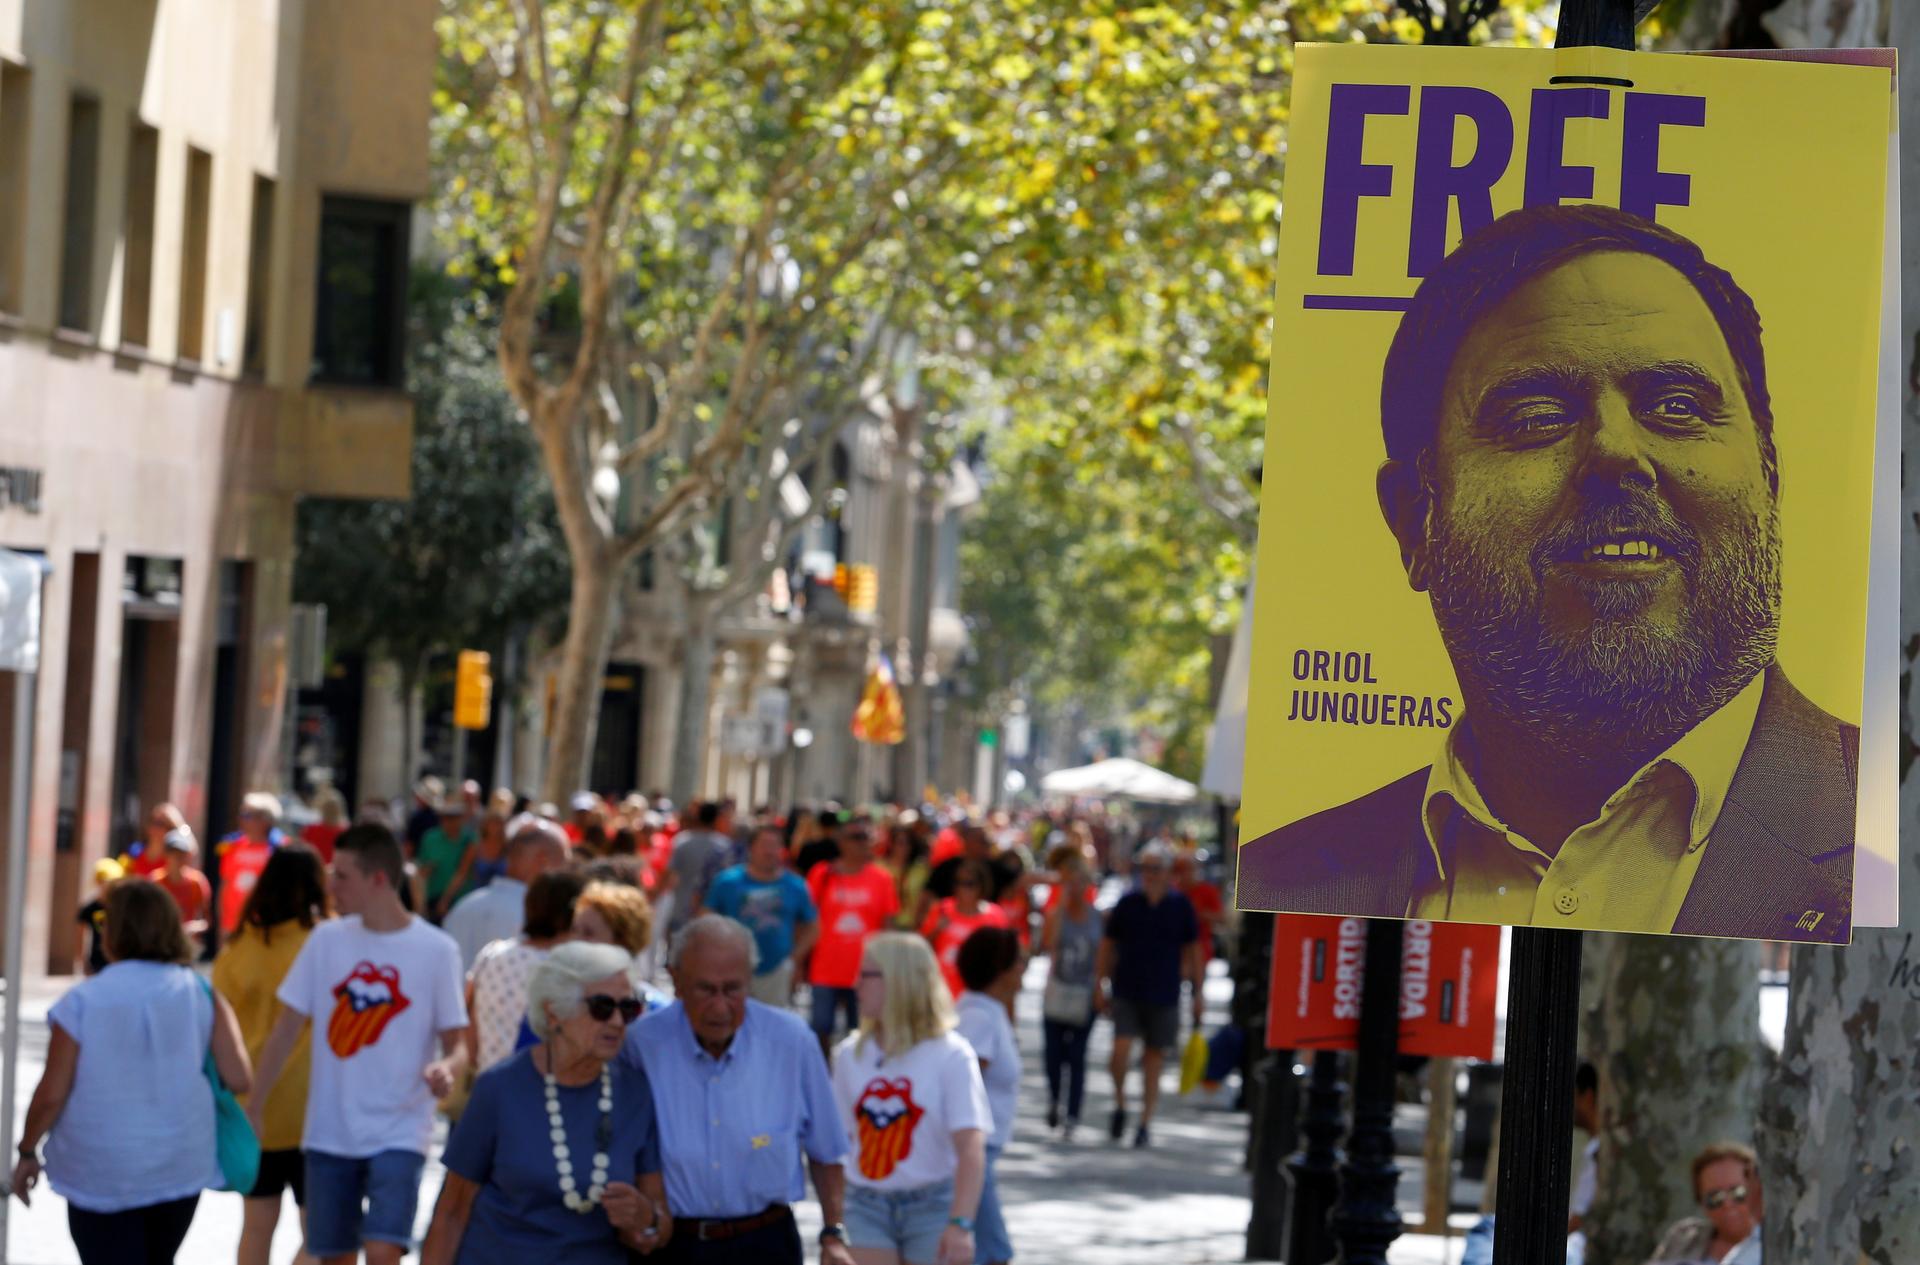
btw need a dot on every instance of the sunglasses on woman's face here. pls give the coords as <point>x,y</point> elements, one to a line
<point>1715,1198</point>
<point>601,1007</point>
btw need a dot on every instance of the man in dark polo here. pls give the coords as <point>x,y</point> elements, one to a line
<point>1581,475</point>
<point>742,1097</point>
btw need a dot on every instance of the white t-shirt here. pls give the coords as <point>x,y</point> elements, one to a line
<point>902,1112</point>
<point>379,1002</point>
<point>984,1023</point>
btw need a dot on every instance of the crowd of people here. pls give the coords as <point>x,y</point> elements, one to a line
<point>650,1029</point>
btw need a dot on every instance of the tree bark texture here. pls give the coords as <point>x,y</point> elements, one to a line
<point>1841,1119</point>
<point>583,668</point>
<point>696,700</point>
<point>1680,1067</point>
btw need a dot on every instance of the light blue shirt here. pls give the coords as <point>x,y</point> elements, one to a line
<point>733,1130</point>
<point>138,1127</point>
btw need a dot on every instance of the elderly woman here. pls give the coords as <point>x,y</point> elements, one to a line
<point>557,1132</point>
<point>910,1091</point>
<point>124,1105</point>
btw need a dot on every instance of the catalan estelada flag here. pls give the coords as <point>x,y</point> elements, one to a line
<point>882,714</point>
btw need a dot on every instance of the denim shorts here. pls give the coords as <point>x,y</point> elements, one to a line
<point>355,1201</point>
<point>990,1239</point>
<point>909,1222</point>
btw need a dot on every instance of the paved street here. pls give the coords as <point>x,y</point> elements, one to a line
<point>1090,1203</point>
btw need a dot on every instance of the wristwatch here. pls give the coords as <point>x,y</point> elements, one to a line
<point>836,1230</point>
<point>964,1223</point>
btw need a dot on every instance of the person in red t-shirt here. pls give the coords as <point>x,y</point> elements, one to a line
<point>1208,905</point>
<point>953,919</point>
<point>332,807</point>
<point>856,898</point>
<point>949,843</point>
<point>188,886</point>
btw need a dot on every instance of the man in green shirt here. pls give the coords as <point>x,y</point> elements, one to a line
<point>440,851</point>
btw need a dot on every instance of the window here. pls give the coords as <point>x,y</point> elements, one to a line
<point>136,277</point>
<point>193,255</point>
<point>16,91</point>
<point>259,278</point>
<point>76,231</point>
<point>358,328</point>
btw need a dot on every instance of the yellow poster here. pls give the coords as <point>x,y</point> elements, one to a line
<point>1564,529</point>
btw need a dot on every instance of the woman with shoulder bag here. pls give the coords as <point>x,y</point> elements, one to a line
<point>124,1105</point>
<point>1071,940</point>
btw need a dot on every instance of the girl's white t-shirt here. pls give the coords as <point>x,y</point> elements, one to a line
<point>902,1111</point>
<point>379,1002</point>
<point>984,1024</point>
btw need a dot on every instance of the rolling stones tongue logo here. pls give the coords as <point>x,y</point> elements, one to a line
<point>363,1004</point>
<point>887,1116</point>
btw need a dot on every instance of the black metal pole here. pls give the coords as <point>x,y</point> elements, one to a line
<point>1367,1218</point>
<point>1315,1172</point>
<point>1536,1102</point>
<point>1275,1100</point>
<point>1543,991</point>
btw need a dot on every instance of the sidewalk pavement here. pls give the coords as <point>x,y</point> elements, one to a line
<point>1183,1201</point>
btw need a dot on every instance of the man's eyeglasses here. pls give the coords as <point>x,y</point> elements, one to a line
<point>1714,1199</point>
<point>601,1007</point>
<point>875,975</point>
<point>860,837</point>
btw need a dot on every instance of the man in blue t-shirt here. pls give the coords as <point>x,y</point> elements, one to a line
<point>1151,942</point>
<point>773,903</point>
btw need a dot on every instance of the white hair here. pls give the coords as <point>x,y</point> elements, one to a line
<point>561,979</point>
<point>713,927</point>
<point>1155,851</point>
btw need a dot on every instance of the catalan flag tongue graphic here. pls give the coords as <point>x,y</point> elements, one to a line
<point>887,1115</point>
<point>363,1004</point>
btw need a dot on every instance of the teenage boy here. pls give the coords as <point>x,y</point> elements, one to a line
<point>380,987</point>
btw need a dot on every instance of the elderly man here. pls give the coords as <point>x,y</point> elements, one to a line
<point>1581,476</point>
<point>742,1095</point>
<point>496,910</point>
<point>1151,942</point>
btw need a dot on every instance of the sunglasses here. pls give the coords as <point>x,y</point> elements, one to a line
<point>601,1007</point>
<point>1715,1198</point>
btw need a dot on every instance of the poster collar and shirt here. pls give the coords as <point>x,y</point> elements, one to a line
<point>1566,441</point>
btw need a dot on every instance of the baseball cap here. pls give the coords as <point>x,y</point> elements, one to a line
<point>108,870</point>
<point>179,841</point>
<point>583,802</point>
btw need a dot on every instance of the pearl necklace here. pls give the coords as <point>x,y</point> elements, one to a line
<point>556,1130</point>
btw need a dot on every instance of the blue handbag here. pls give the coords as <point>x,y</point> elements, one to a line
<point>234,1140</point>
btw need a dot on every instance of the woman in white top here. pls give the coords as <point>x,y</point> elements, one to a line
<point>124,1103</point>
<point>992,968</point>
<point>497,984</point>
<point>909,1087</point>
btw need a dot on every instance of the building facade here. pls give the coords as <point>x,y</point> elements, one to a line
<point>204,226</point>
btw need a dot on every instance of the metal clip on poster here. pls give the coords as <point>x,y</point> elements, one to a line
<point>1543,988</point>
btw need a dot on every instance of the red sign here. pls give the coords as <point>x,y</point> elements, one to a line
<point>1449,977</point>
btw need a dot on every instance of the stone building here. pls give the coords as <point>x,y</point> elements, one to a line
<point>204,228</point>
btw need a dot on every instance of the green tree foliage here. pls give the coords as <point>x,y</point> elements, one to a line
<point>475,550</point>
<point>1131,335</point>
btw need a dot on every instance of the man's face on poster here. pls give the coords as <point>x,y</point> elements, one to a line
<point>1600,537</point>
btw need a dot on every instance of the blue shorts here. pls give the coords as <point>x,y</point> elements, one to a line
<point>909,1222</point>
<point>350,1202</point>
<point>990,1240</point>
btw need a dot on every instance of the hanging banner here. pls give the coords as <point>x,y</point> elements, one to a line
<point>1564,541</point>
<point>1449,982</point>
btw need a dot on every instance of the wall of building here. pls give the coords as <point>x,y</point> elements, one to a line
<point>142,452</point>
